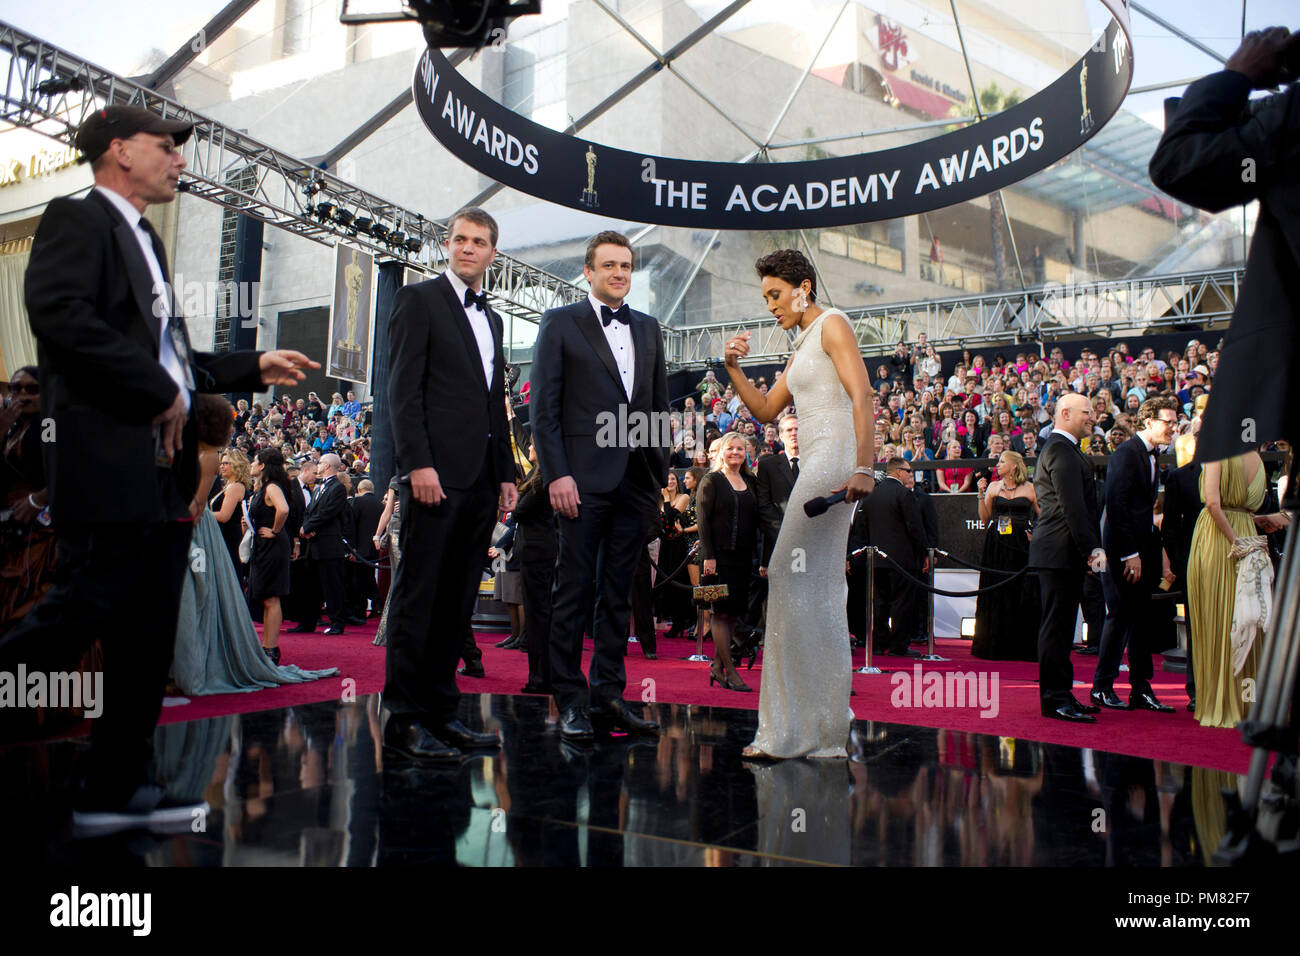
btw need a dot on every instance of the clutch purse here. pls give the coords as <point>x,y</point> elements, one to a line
<point>709,591</point>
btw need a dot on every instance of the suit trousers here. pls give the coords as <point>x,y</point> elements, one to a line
<point>598,553</point>
<point>642,601</point>
<point>1128,624</point>
<point>331,577</point>
<point>120,583</point>
<point>432,599</point>
<point>539,578</point>
<point>1061,590</point>
<point>361,588</point>
<point>894,599</point>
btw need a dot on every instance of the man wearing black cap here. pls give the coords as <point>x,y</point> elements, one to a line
<point>117,383</point>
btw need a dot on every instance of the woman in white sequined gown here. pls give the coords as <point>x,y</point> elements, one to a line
<point>803,707</point>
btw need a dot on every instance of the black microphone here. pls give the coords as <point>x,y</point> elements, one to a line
<point>819,506</point>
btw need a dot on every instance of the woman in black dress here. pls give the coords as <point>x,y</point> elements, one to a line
<point>237,486</point>
<point>673,603</point>
<point>727,507</point>
<point>690,529</point>
<point>269,568</point>
<point>1006,619</point>
<point>535,544</point>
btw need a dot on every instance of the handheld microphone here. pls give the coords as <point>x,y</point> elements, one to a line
<point>819,506</point>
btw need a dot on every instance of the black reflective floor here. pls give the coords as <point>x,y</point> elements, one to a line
<point>309,786</point>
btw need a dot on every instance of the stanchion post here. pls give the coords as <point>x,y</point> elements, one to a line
<point>867,667</point>
<point>930,654</point>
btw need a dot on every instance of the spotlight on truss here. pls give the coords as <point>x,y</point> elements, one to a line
<point>446,23</point>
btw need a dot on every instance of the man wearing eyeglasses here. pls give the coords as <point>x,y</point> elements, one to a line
<point>118,379</point>
<point>1134,557</point>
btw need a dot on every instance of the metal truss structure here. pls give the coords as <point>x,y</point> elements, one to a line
<point>54,91</point>
<point>1093,309</point>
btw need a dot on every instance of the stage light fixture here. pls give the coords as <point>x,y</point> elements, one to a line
<point>363,225</point>
<point>413,244</point>
<point>324,211</point>
<point>397,239</point>
<point>379,231</point>
<point>343,218</point>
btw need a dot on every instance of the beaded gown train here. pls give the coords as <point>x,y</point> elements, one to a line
<point>803,704</point>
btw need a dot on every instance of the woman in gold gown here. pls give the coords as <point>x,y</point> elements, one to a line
<point>1233,491</point>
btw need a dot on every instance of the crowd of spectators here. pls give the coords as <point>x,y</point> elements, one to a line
<point>976,409</point>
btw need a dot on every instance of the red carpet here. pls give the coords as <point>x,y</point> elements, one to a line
<point>671,679</point>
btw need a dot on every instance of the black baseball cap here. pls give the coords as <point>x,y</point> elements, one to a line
<point>121,122</point>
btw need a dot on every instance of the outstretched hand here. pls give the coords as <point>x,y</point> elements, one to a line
<point>281,366</point>
<point>1267,57</point>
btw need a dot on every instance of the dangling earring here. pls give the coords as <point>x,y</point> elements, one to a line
<point>799,301</point>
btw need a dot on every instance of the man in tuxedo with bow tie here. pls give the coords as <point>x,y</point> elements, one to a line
<point>323,531</point>
<point>447,402</point>
<point>1065,545</point>
<point>124,471</point>
<point>1134,558</point>
<point>593,360</point>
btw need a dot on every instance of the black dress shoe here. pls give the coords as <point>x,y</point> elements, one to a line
<point>414,740</point>
<point>1086,708</point>
<point>1147,700</point>
<point>1108,698</point>
<point>615,713</point>
<point>333,631</point>
<point>576,725</point>
<point>1089,651</point>
<point>1191,706</point>
<point>1069,712</point>
<point>303,629</point>
<point>650,655</point>
<point>535,687</point>
<point>354,621</point>
<point>906,652</point>
<point>472,670</point>
<point>458,735</point>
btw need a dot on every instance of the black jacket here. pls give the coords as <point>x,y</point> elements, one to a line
<point>1069,519</point>
<point>1182,507</point>
<point>363,521</point>
<point>444,415</point>
<point>90,302</point>
<point>327,520</point>
<point>1127,522</point>
<point>719,522</point>
<point>535,526</point>
<point>1217,152</point>
<point>773,483</point>
<point>579,408</point>
<point>894,524</point>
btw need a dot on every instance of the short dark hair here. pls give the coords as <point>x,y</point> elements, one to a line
<point>894,464</point>
<point>788,265</point>
<point>608,238</point>
<point>480,217</point>
<point>1150,409</point>
<point>215,419</point>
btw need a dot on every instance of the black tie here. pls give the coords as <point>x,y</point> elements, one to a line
<point>480,300</point>
<point>608,315</point>
<point>794,467</point>
<point>175,324</point>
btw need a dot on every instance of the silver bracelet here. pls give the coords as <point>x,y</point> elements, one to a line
<point>863,470</point>
<point>32,501</point>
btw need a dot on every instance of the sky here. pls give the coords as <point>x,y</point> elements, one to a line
<point>121,41</point>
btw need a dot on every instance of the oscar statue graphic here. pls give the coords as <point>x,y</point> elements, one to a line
<point>589,196</point>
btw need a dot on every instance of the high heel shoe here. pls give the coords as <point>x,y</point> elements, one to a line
<point>726,683</point>
<point>274,654</point>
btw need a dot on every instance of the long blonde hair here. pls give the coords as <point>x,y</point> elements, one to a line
<point>239,467</point>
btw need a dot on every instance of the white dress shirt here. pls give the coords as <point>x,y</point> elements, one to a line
<point>479,325</point>
<point>166,351</point>
<point>619,337</point>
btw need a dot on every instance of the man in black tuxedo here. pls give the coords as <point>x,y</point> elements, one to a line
<point>1065,544</point>
<point>118,379</point>
<point>452,443</point>
<point>323,530</point>
<point>598,368</point>
<point>1221,149</point>
<point>1134,558</point>
<point>365,509</point>
<point>894,524</point>
<point>1183,506</point>
<point>773,483</point>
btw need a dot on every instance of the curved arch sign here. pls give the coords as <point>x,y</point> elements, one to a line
<point>888,184</point>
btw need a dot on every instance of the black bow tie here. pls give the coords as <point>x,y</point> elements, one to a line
<point>1155,451</point>
<point>480,300</point>
<point>608,315</point>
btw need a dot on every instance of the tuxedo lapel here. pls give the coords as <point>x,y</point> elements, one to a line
<point>644,329</point>
<point>456,312</point>
<point>589,325</point>
<point>137,272</point>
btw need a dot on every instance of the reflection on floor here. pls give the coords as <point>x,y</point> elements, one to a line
<point>310,786</point>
